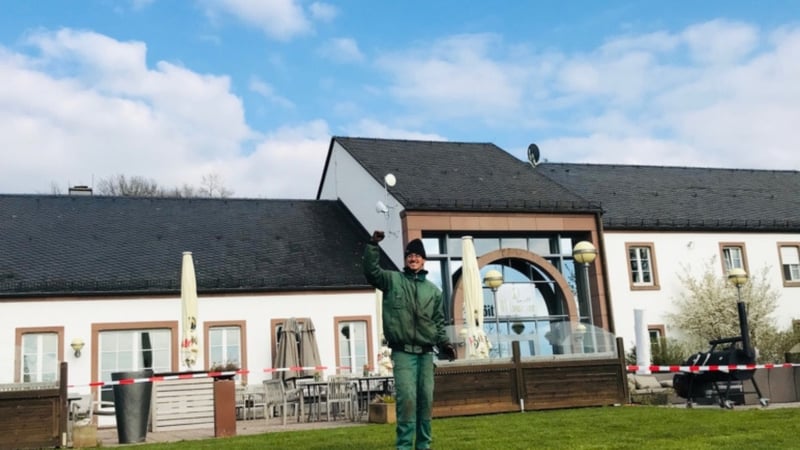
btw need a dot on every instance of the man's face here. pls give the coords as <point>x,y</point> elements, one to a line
<point>414,262</point>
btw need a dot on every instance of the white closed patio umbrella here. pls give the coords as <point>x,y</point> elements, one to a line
<point>477,344</point>
<point>189,344</point>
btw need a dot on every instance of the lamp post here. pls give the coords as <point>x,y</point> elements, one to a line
<point>738,277</point>
<point>493,280</point>
<point>585,253</point>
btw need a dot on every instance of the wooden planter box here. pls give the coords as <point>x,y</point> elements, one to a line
<point>382,413</point>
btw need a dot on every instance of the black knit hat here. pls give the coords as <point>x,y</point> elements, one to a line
<point>416,246</point>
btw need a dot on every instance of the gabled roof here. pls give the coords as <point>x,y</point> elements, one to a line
<point>84,245</point>
<point>461,176</point>
<point>685,198</point>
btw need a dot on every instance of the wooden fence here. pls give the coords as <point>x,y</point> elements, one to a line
<point>182,404</point>
<point>34,415</point>
<point>518,385</point>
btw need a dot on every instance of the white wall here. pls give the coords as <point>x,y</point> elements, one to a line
<point>347,180</point>
<point>695,250</point>
<point>77,317</point>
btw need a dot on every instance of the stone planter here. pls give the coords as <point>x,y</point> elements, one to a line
<point>84,436</point>
<point>382,413</point>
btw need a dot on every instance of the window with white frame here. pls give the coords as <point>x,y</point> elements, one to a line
<point>790,262</point>
<point>225,346</point>
<point>733,257</point>
<point>129,350</point>
<point>39,357</point>
<point>353,346</point>
<point>641,265</point>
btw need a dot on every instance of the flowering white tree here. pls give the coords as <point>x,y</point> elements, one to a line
<point>706,310</point>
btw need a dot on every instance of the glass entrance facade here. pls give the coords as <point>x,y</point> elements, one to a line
<point>530,306</point>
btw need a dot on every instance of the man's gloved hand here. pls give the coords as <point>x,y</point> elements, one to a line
<point>377,236</point>
<point>449,351</point>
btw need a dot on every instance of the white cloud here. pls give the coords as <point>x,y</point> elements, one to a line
<point>287,163</point>
<point>341,50</point>
<point>708,94</point>
<point>719,42</point>
<point>278,19</point>
<point>456,77</point>
<point>324,12</point>
<point>267,91</point>
<point>100,111</point>
<point>141,4</point>
<point>715,94</point>
<point>373,128</point>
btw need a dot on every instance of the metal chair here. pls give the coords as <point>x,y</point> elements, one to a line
<point>255,401</point>
<point>276,395</point>
<point>241,402</point>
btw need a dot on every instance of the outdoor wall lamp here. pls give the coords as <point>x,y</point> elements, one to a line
<point>77,346</point>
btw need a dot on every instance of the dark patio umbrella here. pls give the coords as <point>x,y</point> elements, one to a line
<point>288,353</point>
<point>309,350</point>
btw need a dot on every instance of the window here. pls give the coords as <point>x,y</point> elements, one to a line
<point>657,333</point>
<point>225,346</point>
<point>641,266</point>
<point>133,349</point>
<point>39,357</point>
<point>354,346</point>
<point>790,263</point>
<point>733,256</point>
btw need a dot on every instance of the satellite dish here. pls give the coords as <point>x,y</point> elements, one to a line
<point>533,154</point>
<point>390,180</point>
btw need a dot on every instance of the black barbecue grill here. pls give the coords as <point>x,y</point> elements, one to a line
<point>723,352</point>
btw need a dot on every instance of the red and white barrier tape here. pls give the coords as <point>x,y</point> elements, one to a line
<point>185,376</point>
<point>710,368</point>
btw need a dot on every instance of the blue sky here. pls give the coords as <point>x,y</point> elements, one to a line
<point>252,90</point>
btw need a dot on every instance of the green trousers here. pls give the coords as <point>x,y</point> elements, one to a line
<point>413,384</point>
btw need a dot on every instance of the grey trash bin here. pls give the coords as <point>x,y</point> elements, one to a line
<point>132,406</point>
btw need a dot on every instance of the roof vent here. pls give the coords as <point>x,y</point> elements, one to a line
<point>533,155</point>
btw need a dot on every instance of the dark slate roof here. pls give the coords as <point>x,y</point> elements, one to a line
<point>461,176</point>
<point>84,245</point>
<point>685,198</point>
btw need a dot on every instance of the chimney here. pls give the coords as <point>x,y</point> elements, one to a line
<point>80,190</point>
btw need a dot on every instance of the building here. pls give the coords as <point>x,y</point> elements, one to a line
<point>106,270</point>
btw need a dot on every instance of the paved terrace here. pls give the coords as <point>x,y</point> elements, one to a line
<point>107,437</point>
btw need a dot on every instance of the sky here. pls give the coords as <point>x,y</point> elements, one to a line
<point>251,91</point>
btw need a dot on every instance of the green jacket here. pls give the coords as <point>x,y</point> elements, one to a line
<point>412,305</point>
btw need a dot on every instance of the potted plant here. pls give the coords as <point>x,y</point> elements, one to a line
<point>383,409</point>
<point>223,371</point>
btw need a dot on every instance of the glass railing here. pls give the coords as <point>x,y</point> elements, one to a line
<point>539,338</point>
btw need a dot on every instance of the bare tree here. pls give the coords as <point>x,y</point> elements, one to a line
<point>706,310</point>
<point>135,186</point>
<point>55,189</point>
<point>212,186</point>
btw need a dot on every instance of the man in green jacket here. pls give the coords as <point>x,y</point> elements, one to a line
<point>413,324</point>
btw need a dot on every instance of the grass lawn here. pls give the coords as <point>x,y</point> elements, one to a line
<point>626,427</point>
